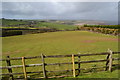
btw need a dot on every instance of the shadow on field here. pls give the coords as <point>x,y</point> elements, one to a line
<point>37,76</point>
<point>116,67</point>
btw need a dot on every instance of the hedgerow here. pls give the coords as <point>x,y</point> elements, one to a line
<point>11,33</point>
<point>104,26</point>
<point>105,29</point>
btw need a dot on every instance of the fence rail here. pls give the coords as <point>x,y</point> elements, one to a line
<point>58,70</point>
<point>33,65</point>
<point>59,56</point>
<point>108,65</point>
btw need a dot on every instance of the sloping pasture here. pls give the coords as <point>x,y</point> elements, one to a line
<point>56,43</point>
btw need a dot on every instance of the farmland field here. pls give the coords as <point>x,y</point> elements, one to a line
<point>56,43</point>
<point>56,25</point>
<point>6,22</point>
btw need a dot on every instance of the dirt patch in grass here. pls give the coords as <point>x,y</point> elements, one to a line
<point>89,41</point>
<point>109,39</point>
<point>15,52</point>
<point>101,39</point>
<point>9,52</point>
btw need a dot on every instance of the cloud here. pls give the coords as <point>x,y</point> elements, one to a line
<point>60,0</point>
<point>61,10</point>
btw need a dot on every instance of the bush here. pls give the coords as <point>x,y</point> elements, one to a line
<point>104,26</point>
<point>101,30</point>
<point>11,33</point>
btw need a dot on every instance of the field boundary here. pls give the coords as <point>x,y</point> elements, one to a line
<point>108,67</point>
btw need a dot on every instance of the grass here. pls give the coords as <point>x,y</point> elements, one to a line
<point>104,74</point>
<point>101,75</point>
<point>7,22</point>
<point>55,43</point>
<point>56,25</point>
<point>58,43</point>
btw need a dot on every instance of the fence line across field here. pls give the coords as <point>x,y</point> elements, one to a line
<point>59,56</point>
<point>109,63</point>
<point>33,65</point>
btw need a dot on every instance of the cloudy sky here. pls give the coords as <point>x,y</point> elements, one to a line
<point>61,10</point>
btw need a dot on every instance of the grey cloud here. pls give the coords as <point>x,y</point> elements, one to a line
<point>61,10</point>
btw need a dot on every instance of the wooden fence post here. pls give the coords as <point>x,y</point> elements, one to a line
<point>9,69</point>
<point>78,63</point>
<point>73,62</point>
<point>43,62</point>
<point>107,62</point>
<point>110,61</point>
<point>24,68</point>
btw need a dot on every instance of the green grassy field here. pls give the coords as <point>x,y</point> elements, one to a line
<point>56,25</point>
<point>104,74</point>
<point>7,22</point>
<point>12,23</point>
<point>55,43</point>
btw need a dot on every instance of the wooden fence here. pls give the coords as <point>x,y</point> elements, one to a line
<point>108,66</point>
